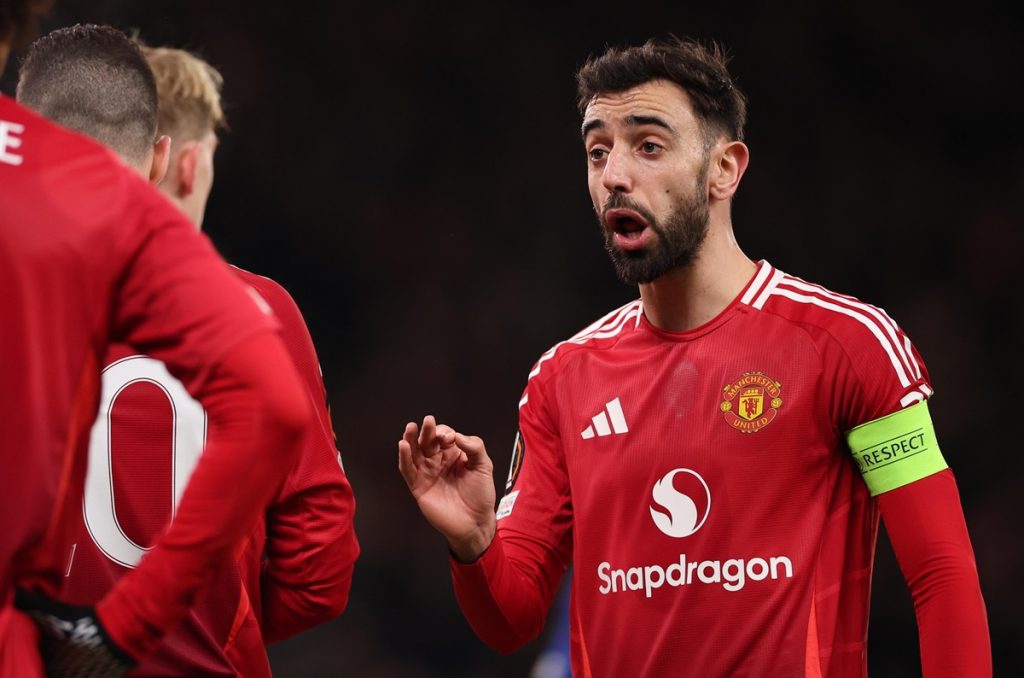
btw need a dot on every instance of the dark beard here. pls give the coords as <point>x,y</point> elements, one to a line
<point>678,240</point>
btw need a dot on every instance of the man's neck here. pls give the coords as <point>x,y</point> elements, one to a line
<point>688,297</point>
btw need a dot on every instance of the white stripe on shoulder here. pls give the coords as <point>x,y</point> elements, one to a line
<point>910,354</point>
<point>762,274</point>
<point>915,368</point>
<point>916,396</point>
<point>777,276</point>
<point>883,320</point>
<point>910,398</point>
<point>859,317</point>
<point>608,326</point>
<point>605,321</point>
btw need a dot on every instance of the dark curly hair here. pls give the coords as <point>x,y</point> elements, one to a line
<point>699,69</point>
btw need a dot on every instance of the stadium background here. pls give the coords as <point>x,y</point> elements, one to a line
<point>412,173</point>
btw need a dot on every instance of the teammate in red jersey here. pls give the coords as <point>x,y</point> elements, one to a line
<point>88,253</point>
<point>296,570</point>
<point>712,458</point>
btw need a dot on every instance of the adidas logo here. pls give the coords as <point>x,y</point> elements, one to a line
<point>613,411</point>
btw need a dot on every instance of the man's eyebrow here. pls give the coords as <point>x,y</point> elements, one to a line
<point>591,125</point>
<point>632,121</point>
<point>641,120</point>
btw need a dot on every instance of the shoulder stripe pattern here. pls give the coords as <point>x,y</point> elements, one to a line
<point>606,327</point>
<point>915,397</point>
<point>909,350</point>
<point>763,272</point>
<point>911,398</point>
<point>903,348</point>
<point>881,326</point>
<point>769,289</point>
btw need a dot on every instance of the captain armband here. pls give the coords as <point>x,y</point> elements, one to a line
<point>897,449</point>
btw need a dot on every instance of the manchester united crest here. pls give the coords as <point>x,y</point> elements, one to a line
<point>752,402</point>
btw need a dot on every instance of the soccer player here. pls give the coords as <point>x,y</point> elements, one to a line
<point>299,570</point>
<point>712,458</point>
<point>89,253</point>
<point>296,570</point>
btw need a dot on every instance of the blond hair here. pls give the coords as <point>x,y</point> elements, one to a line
<point>189,93</point>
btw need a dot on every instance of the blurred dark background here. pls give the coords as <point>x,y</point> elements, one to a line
<point>412,173</point>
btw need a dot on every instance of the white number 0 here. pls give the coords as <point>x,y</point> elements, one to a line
<point>188,435</point>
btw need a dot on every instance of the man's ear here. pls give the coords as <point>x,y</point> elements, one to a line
<point>729,163</point>
<point>186,163</point>
<point>161,158</point>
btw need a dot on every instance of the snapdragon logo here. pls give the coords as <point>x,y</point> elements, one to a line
<point>675,513</point>
<point>681,505</point>
<point>732,574</point>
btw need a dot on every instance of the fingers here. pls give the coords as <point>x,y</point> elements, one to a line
<point>409,456</point>
<point>429,443</point>
<point>446,435</point>
<point>405,463</point>
<point>473,448</point>
<point>411,437</point>
<point>418,443</point>
<point>434,437</point>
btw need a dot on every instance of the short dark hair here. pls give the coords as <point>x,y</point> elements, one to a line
<point>18,19</point>
<point>94,80</point>
<point>699,69</point>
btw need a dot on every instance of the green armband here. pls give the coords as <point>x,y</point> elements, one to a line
<point>897,449</point>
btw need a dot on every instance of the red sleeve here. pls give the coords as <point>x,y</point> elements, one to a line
<point>923,518</point>
<point>877,370</point>
<point>926,527</point>
<point>506,593</point>
<point>311,545</point>
<point>257,414</point>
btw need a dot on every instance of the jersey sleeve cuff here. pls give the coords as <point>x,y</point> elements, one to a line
<point>484,561</point>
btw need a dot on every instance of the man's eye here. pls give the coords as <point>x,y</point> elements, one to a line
<point>597,154</point>
<point>650,147</point>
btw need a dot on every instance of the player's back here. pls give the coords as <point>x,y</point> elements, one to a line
<point>146,440</point>
<point>89,253</point>
<point>58,263</point>
<point>60,257</point>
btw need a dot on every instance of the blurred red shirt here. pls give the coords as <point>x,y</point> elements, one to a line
<point>296,569</point>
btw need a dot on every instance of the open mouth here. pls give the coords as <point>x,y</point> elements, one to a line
<point>626,226</point>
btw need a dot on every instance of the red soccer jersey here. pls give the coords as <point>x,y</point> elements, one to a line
<point>88,252</point>
<point>296,570</point>
<point>700,484</point>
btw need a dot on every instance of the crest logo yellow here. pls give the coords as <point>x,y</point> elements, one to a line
<point>752,402</point>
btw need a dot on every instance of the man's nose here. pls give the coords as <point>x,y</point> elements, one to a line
<point>617,176</point>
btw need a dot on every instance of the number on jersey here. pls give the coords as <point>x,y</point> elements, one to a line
<point>187,431</point>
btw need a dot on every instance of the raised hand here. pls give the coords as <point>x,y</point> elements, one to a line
<point>451,478</point>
